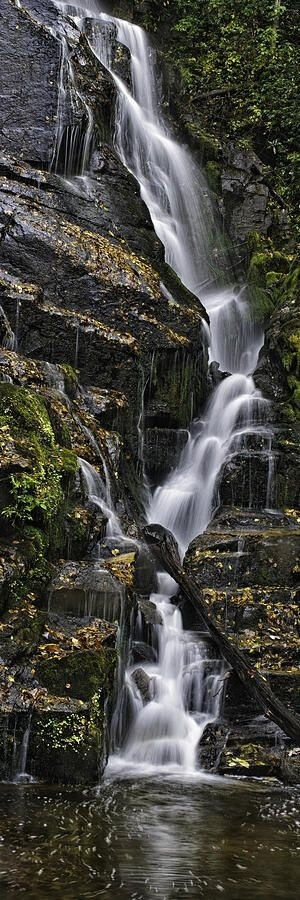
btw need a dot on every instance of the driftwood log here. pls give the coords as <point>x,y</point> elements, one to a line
<point>164,546</point>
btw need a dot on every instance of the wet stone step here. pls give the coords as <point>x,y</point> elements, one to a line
<point>239,709</point>
<point>266,558</point>
<point>87,589</point>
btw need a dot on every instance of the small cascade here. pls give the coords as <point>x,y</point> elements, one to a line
<point>20,765</point>
<point>271,482</point>
<point>61,102</point>
<point>234,340</point>
<point>76,347</point>
<point>186,501</point>
<point>172,187</point>
<point>100,494</point>
<point>16,342</point>
<point>74,140</point>
<point>7,379</point>
<point>8,338</point>
<point>54,377</point>
<point>183,694</point>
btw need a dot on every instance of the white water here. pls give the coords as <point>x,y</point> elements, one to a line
<point>99,493</point>
<point>186,692</point>
<point>185,687</point>
<point>21,774</point>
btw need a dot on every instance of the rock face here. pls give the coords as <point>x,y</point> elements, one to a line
<point>28,129</point>
<point>247,566</point>
<point>245,194</point>
<point>88,310</point>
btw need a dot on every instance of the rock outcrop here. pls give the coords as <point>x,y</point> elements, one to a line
<point>95,329</point>
<point>247,567</point>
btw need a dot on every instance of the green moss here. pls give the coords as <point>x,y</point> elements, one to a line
<point>213,172</point>
<point>70,732</point>
<point>37,490</point>
<point>173,386</point>
<point>210,146</point>
<point>273,277</point>
<point>26,411</point>
<point>69,373</point>
<point>79,674</point>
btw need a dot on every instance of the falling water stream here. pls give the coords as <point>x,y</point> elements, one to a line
<point>186,689</point>
<point>185,685</point>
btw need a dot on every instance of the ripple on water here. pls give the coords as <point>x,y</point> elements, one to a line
<point>151,838</point>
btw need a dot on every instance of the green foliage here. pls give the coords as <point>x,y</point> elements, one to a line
<point>40,492</point>
<point>249,50</point>
<point>273,277</point>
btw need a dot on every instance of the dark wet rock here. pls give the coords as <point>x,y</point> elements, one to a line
<point>150,613</point>
<point>109,339</point>
<point>242,559</point>
<point>87,589</point>
<point>264,475</point>
<point>246,195</point>
<point>7,337</point>
<point>254,748</point>
<point>277,362</point>
<point>29,100</point>
<point>145,572</point>
<point>247,567</point>
<point>141,652</point>
<point>79,674</point>
<point>66,742</point>
<point>240,709</point>
<point>231,518</point>
<point>162,448</point>
<point>143,683</point>
<point>85,528</point>
<point>276,376</point>
<point>59,684</point>
<point>91,266</point>
<point>215,375</point>
<point>108,407</point>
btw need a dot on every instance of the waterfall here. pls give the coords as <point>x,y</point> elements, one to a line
<point>20,763</point>
<point>185,689</point>
<point>172,187</point>
<point>99,493</point>
<point>182,689</point>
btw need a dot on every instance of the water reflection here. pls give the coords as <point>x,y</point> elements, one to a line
<point>166,840</point>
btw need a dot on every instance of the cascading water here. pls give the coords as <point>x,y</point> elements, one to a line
<point>184,685</point>
<point>184,694</point>
<point>100,494</point>
<point>172,187</point>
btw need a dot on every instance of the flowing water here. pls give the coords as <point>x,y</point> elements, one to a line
<point>99,493</point>
<point>166,730</point>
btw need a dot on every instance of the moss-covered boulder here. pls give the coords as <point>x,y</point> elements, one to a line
<point>33,468</point>
<point>77,674</point>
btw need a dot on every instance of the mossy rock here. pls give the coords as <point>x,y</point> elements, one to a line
<point>27,412</point>
<point>67,745</point>
<point>79,674</point>
<point>250,760</point>
<point>37,494</point>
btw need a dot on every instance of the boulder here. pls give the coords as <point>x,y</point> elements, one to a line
<point>143,683</point>
<point>87,589</point>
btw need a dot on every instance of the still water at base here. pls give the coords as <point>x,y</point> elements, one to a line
<point>138,840</point>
